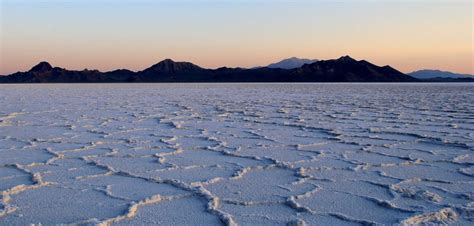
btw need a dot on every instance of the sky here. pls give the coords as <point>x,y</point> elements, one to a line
<point>135,34</point>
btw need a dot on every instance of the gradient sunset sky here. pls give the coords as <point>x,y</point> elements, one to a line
<point>134,34</point>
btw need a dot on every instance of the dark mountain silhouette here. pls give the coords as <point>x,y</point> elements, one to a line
<point>45,73</point>
<point>291,63</point>
<point>170,71</point>
<point>349,70</point>
<point>169,67</point>
<point>42,67</point>
<point>431,74</point>
<point>344,69</point>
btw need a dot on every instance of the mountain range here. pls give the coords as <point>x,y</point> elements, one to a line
<point>344,69</point>
<point>433,74</point>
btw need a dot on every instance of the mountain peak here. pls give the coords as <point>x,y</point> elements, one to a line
<point>170,66</point>
<point>42,67</point>
<point>346,58</point>
<point>167,61</point>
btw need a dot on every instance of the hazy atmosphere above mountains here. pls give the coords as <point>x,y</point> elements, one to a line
<point>107,35</point>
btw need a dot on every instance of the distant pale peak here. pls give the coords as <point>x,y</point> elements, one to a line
<point>291,63</point>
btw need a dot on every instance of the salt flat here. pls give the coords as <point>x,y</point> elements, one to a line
<point>244,154</point>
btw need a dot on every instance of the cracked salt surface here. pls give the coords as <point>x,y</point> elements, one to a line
<point>237,154</point>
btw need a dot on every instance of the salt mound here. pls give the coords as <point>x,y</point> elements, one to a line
<point>443,216</point>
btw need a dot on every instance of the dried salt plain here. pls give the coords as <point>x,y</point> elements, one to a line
<point>237,154</point>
